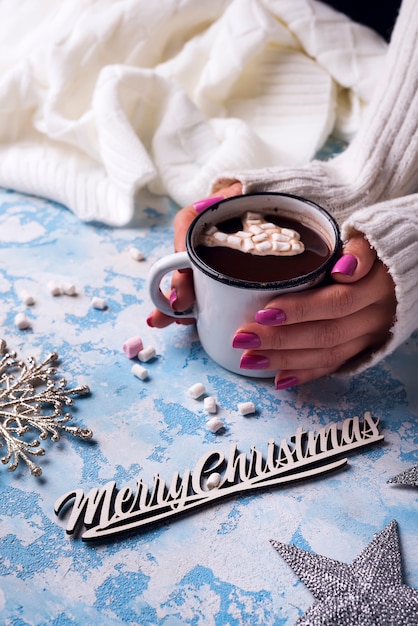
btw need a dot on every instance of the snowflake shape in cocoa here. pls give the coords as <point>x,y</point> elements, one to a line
<point>31,405</point>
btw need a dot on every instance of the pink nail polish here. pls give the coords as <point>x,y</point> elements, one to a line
<point>254,362</point>
<point>246,341</point>
<point>345,265</point>
<point>201,205</point>
<point>149,321</point>
<point>270,317</point>
<point>173,296</point>
<point>285,383</point>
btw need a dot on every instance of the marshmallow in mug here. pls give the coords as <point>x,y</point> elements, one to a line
<point>256,237</point>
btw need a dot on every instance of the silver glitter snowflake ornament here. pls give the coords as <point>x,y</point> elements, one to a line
<point>31,404</point>
<point>367,592</point>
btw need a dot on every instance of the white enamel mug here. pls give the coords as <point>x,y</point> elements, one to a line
<point>223,303</point>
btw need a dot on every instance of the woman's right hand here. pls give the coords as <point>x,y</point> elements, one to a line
<point>181,294</point>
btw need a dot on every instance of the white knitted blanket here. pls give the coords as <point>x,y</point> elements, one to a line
<point>100,99</point>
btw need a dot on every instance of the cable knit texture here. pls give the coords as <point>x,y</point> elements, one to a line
<point>371,187</point>
<point>381,162</point>
<point>99,100</point>
<point>392,229</point>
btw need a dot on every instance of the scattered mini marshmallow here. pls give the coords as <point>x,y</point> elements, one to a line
<point>196,390</point>
<point>139,371</point>
<point>69,289</point>
<point>98,303</point>
<point>245,408</point>
<point>214,424</point>
<point>22,322</point>
<point>146,354</point>
<point>136,254</point>
<point>54,288</point>
<point>132,346</point>
<point>209,404</point>
<point>26,298</point>
<point>214,480</point>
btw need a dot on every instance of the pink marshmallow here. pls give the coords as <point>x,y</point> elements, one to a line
<point>132,346</point>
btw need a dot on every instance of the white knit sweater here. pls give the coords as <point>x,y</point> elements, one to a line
<point>100,100</point>
<point>372,187</point>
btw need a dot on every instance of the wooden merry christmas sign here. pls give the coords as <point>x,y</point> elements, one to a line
<point>109,511</point>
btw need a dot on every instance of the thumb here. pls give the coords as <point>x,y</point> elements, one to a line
<point>355,262</point>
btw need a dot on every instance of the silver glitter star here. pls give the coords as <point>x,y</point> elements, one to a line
<point>367,592</point>
<point>409,477</point>
<point>31,401</point>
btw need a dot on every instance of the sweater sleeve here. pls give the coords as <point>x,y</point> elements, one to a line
<point>391,228</point>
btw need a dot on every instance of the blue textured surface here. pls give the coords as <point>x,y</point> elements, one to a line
<point>215,566</point>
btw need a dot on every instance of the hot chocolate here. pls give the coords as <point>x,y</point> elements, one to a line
<point>262,248</point>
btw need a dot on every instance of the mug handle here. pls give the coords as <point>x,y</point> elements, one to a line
<point>175,261</point>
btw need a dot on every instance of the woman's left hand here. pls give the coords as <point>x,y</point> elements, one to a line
<point>314,333</point>
<point>181,294</point>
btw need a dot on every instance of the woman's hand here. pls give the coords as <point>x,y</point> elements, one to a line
<point>308,334</point>
<point>181,295</point>
<point>313,333</point>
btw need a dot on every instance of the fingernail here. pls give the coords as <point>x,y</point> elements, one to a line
<point>246,341</point>
<point>201,205</point>
<point>285,383</point>
<point>254,362</point>
<point>173,296</point>
<point>345,265</point>
<point>149,321</point>
<point>270,317</point>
